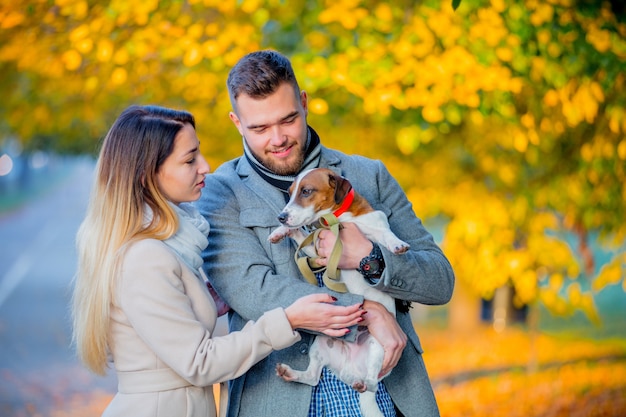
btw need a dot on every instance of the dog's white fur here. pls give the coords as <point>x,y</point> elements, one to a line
<point>357,364</point>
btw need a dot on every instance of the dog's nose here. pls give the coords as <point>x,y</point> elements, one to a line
<point>282,217</point>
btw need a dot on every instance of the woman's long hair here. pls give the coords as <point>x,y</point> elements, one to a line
<point>124,187</point>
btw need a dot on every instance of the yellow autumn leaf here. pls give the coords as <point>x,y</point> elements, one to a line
<point>104,50</point>
<point>79,33</point>
<point>621,149</point>
<point>432,114</point>
<point>383,12</point>
<point>11,19</point>
<point>318,106</point>
<point>84,46</point>
<point>193,56</point>
<point>119,76</point>
<point>610,273</point>
<point>72,59</point>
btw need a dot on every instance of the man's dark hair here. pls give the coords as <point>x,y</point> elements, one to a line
<point>259,74</point>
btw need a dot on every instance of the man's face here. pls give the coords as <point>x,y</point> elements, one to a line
<point>274,128</point>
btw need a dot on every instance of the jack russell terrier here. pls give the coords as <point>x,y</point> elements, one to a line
<point>314,194</point>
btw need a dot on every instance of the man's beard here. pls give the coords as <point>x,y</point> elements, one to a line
<point>280,167</point>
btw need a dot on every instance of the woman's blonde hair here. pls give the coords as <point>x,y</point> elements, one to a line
<point>124,187</point>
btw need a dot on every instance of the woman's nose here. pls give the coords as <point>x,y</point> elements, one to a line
<point>205,168</point>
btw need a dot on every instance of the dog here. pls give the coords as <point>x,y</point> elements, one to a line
<point>313,194</point>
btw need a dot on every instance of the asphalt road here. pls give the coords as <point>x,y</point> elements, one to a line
<point>39,374</point>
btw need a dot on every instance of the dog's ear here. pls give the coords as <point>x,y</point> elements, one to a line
<point>342,187</point>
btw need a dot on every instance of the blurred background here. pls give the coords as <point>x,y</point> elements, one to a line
<point>504,121</point>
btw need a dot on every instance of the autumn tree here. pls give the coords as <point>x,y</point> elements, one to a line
<point>505,120</point>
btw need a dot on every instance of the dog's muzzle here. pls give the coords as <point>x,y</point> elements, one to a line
<point>282,217</point>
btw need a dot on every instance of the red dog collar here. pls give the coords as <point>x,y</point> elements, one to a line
<point>345,204</point>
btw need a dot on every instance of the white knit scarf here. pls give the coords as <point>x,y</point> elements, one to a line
<point>191,237</point>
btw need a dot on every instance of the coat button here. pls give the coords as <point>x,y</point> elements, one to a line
<point>304,348</point>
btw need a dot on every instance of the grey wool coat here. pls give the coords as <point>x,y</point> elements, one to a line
<point>254,276</point>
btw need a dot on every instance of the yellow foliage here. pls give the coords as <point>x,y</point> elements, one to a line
<point>621,149</point>
<point>119,76</point>
<point>611,273</point>
<point>250,6</point>
<point>104,50</point>
<point>508,100</point>
<point>318,106</point>
<point>193,55</point>
<point>383,12</point>
<point>520,141</point>
<point>72,59</point>
<point>504,54</point>
<point>551,98</point>
<point>432,114</point>
<point>10,18</point>
<point>317,40</point>
<point>121,56</point>
<point>344,12</point>
<point>599,38</point>
<point>542,14</point>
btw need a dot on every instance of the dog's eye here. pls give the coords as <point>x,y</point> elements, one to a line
<point>306,192</point>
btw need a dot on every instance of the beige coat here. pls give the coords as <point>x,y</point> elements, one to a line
<point>162,320</point>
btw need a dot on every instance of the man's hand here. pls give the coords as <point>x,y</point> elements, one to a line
<point>384,327</point>
<point>355,246</point>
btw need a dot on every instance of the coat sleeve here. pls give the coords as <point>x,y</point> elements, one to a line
<point>154,300</point>
<point>423,274</point>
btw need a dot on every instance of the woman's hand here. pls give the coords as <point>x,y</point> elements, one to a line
<point>222,307</point>
<point>316,312</point>
<point>384,327</point>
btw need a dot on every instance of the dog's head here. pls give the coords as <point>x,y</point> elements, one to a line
<point>314,193</point>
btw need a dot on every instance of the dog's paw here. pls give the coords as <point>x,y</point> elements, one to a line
<point>285,372</point>
<point>279,234</point>
<point>399,248</point>
<point>359,386</point>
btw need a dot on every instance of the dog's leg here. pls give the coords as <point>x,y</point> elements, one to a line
<point>279,234</point>
<point>375,226</point>
<point>297,235</point>
<point>310,376</point>
<point>369,407</point>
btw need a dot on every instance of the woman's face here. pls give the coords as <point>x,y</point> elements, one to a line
<point>181,176</point>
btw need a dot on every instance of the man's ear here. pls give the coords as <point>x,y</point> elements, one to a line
<point>304,100</point>
<point>236,121</point>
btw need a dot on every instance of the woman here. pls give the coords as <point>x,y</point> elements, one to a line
<point>140,296</point>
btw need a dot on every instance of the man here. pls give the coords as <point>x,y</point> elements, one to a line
<point>241,202</point>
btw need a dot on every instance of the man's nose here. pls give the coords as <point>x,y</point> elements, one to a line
<point>277,138</point>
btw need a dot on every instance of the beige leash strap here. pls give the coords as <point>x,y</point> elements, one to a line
<point>307,264</point>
